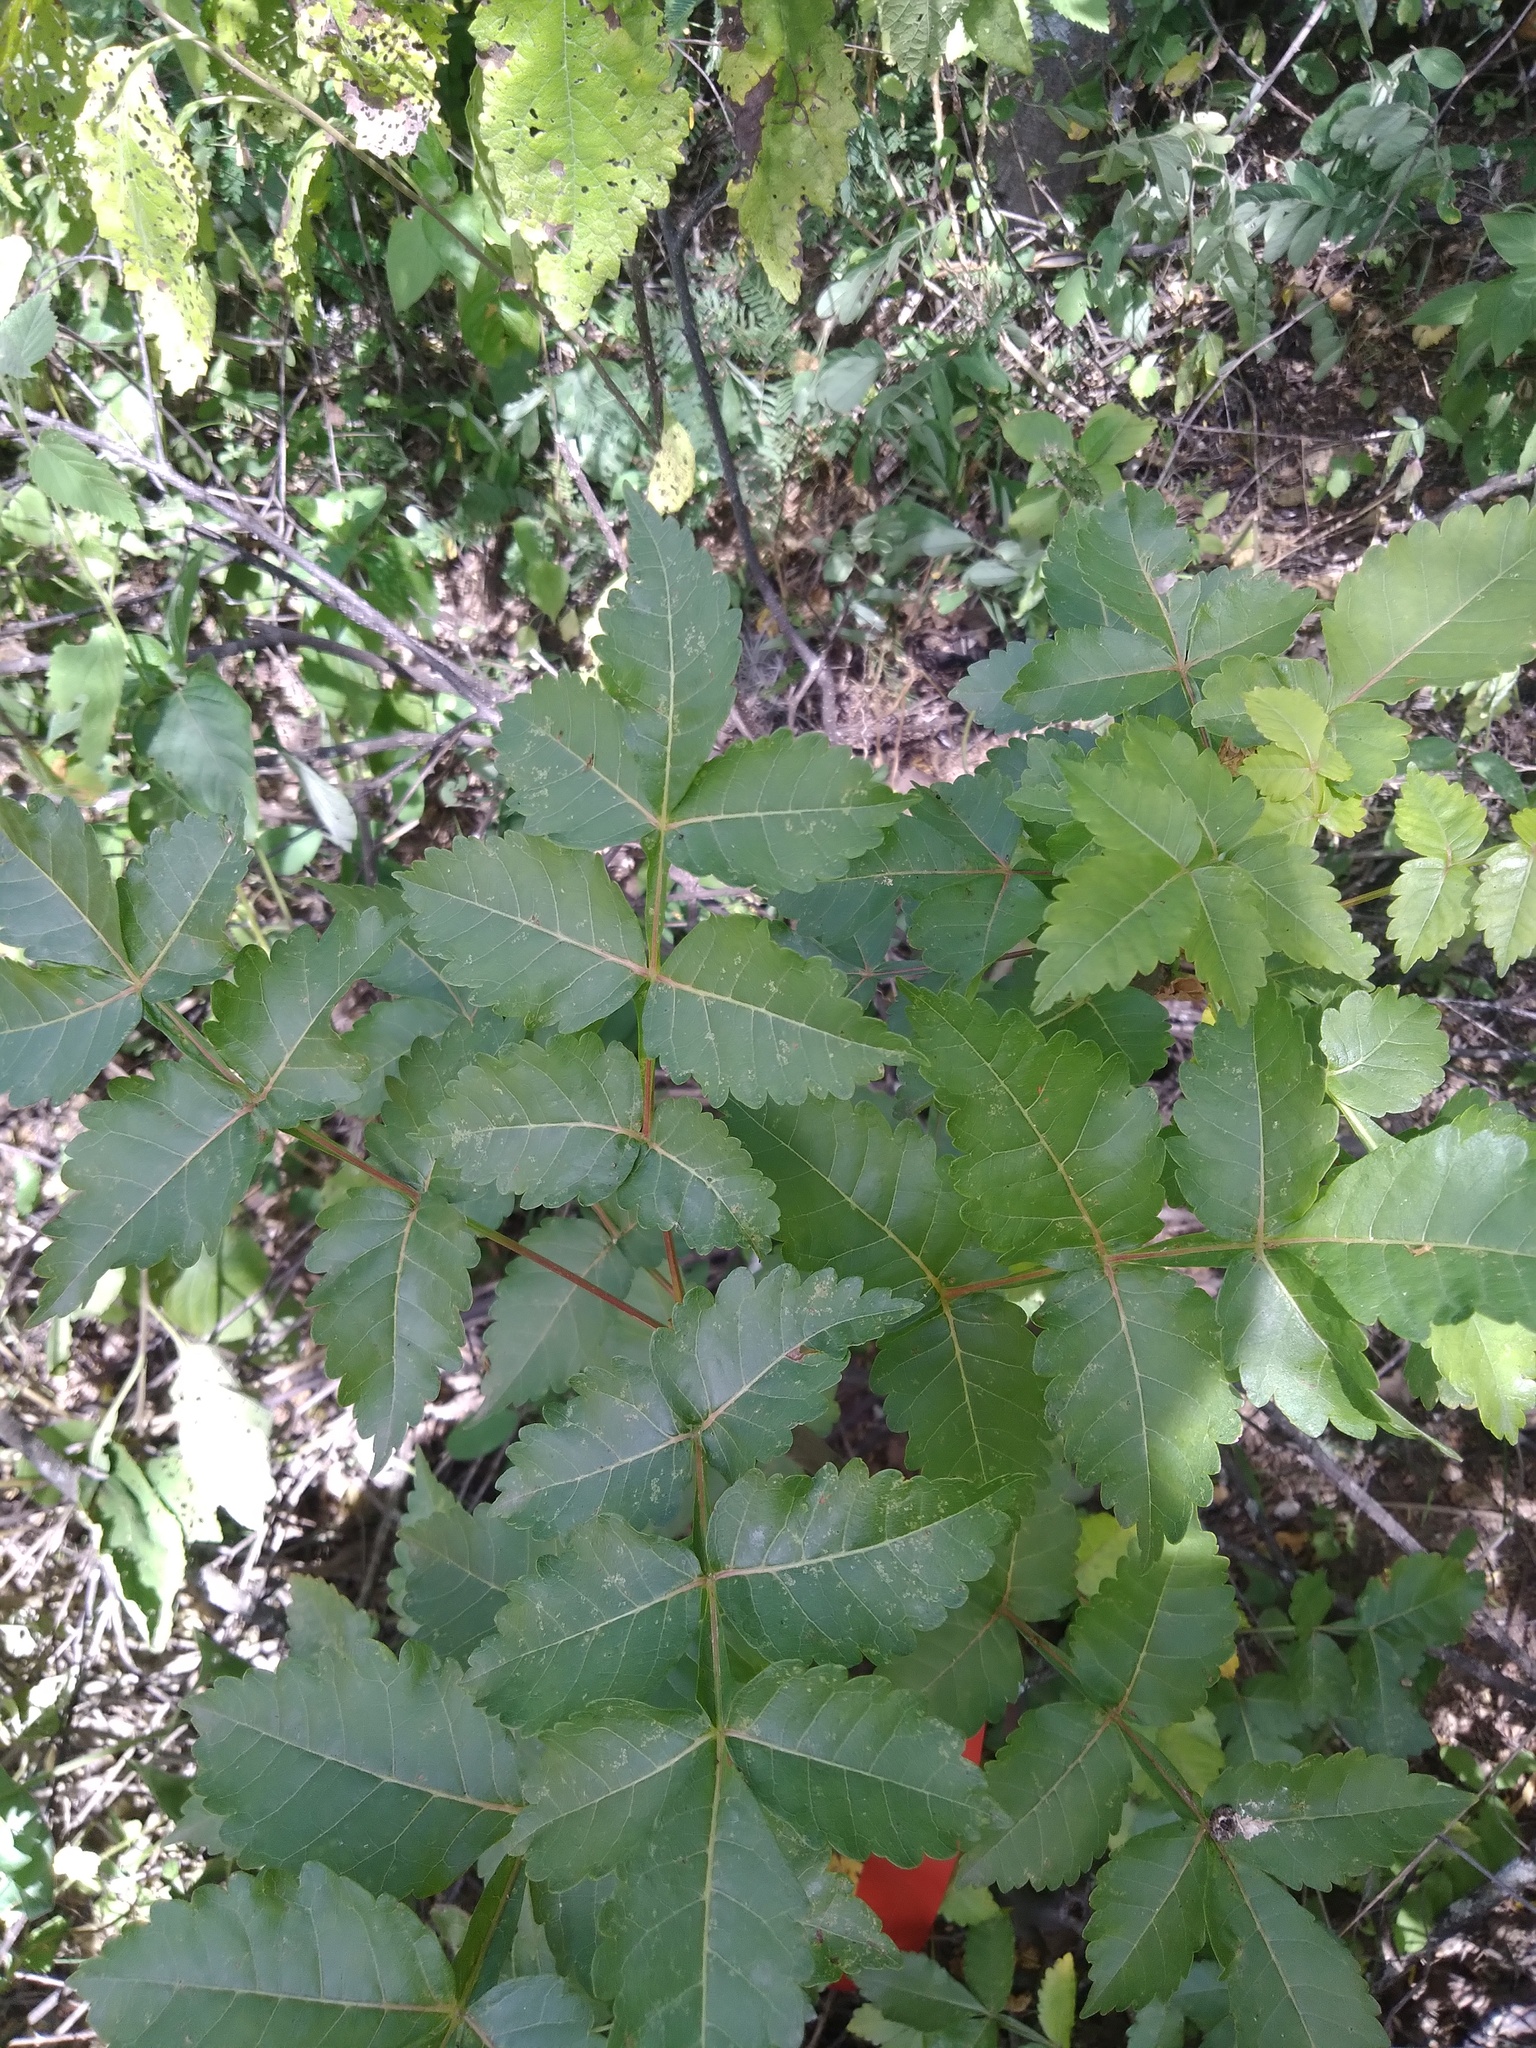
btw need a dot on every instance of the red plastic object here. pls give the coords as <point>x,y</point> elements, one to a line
<point>907,1901</point>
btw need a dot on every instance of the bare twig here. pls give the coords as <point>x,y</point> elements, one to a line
<point>1293,49</point>
<point>41,1456</point>
<point>1494,487</point>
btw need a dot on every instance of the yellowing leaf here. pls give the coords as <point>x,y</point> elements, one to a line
<point>578,134</point>
<point>1058,2001</point>
<point>674,473</point>
<point>147,198</point>
<point>382,59</point>
<point>791,86</point>
<point>42,89</point>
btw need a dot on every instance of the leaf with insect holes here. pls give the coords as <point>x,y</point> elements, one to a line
<point>747,1018</point>
<point>1329,1818</point>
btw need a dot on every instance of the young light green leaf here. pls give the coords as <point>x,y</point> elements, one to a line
<point>1151,1640</point>
<point>157,1168</point>
<point>1057,1151</point>
<point>598,1784</point>
<point>536,931</point>
<point>1488,1366</point>
<point>1110,920</point>
<point>1385,1051</point>
<point>58,1028</point>
<point>1148,1917</point>
<point>1431,1230</point>
<point>301,1954</point>
<point>56,896</point>
<point>846,1564</point>
<point>453,1569</point>
<point>713,1887</point>
<point>694,1177</point>
<point>199,739</point>
<point>70,475</point>
<point>744,1365</point>
<point>1292,1984</point>
<point>395,1278</point>
<point>1256,1132</point>
<point>747,1018</point>
<point>605,1618</point>
<point>1302,913</point>
<point>548,1124</point>
<point>959,1385</point>
<point>1505,902</point>
<point>1062,1778</point>
<point>380,1767</point>
<point>1138,1391</point>
<point>1440,605</point>
<point>781,813</point>
<point>866,1198</point>
<point>856,1763</point>
<point>176,899</point>
<point>667,649</point>
<point>85,690</point>
<point>1325,1820</point>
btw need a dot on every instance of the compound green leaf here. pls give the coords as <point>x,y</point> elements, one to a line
<point>744,1365</point>
<point>578,129</point>
<point>1488,1366</point>
<point>859,1194</point>
<point>706,1943</point>
<point>271,1020</point>
<point>1329,1818</point>
<point>1058,1152</point>
<point>1112,564</point>
<point>1148,1917</point>
<point>453,1569</point>
<point>1237,614</point>
<point>1431,1230</point>
<point>1152,1638</point>
<point>535,2012</point>
<point>1292,1985</point>
<point>605,1618</point>
<point>1505,903</point>
<point>918,2004</point>
<point>58,1028</point>
<point>56,896</point>
<point>961,1388</point>
<point>1110,920</point>
<point>544,1329</point>
<point>1385,1051</point>
<point>599,1783</point>
<point>1092,672</point>
<point>549,1124</point>
<point>157,1168</point>
<point>147,197</point>
<point>615,1448</point>
<point>747,1018</point>
<point>793,85</point>
<point>1138,1391</point>
<point>856,1763</point>
<point>388,1308</point>
<point>1301,909</point>
<point>1288,1340</point>
<point>783,812</point>
<point>1443,605</point>
<point>969,1669</point>
<point>401,1140</point>
<point>1424,1600</point>
<point>1256,1132</point>
<point>176,899</point>
<point>693,1176</point>
<point>562,747</point>
<point>1062,1778</point>
<point>847,1564</point>
<point>383,1768</point>
<point>314,1957</point>
<point>537,931</point>
<point>667,650</point>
